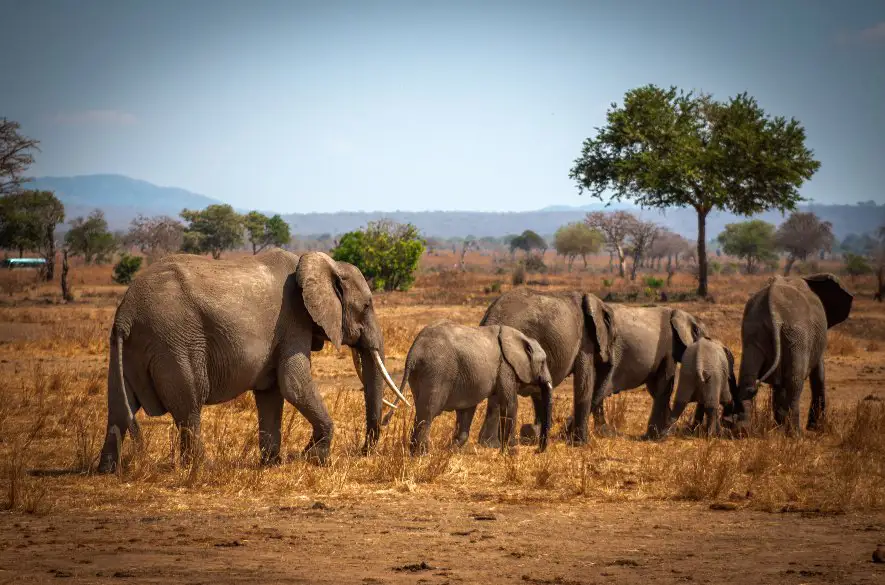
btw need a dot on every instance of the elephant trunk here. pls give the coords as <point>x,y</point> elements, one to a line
<point>546,414</point>
<point>369,363</point>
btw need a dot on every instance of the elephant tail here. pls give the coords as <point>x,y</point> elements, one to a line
<point>402,386</point>
<point>118,335</point>
<point>776,332</point>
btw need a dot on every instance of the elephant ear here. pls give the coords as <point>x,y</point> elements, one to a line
<point>686,330</point>
<point>835,299</point>
<point>732,381</point>
<point>321,290</point>
<point>517,352</point>
<point>602,318</point>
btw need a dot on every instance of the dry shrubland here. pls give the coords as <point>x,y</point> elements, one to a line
<point>52,418</point>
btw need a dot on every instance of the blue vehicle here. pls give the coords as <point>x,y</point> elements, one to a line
<point>24,263</point>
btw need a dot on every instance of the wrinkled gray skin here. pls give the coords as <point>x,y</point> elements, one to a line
<point>195,331</point>
<point>452,367</point>
<point>574,329</point>
<point>784,338</point>
<point>706,377</point>
<point>640,346</point>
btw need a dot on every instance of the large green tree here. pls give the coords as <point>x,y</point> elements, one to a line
<point>386,252</point>
<point>212,230</point>
<point>266,231</point>
<point>89,237</point>
<point>668,148</point>
<point>28,219</point>
<point>577,239</point>
<point>751,240</point>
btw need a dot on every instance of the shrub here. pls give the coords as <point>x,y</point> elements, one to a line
<point>125,269</point>
<point>654,283</point>
<point>534,264</point>
<point>386,252</point>
<point>856,265</point>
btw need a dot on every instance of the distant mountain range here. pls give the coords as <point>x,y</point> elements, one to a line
<point>122,198</point>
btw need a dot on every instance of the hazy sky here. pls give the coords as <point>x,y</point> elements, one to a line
<point>369,105</point>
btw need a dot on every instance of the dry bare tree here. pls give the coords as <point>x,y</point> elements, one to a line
<point>616,226</point>
<point>642,238</point>
<point>15,156</point>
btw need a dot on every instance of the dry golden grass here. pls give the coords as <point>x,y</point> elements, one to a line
<point>52,417</point>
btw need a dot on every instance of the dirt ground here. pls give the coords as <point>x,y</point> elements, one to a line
<point>686,510</point>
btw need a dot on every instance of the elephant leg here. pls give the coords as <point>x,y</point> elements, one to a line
<point>601,384</point>
<point>462,426</point>
<point>710,415</point>
<point>189,437</point>
<point>508,420</point>
<point>661,390</point>
<point>778,404</point>
<point>529,433</point>
<point>488,434</point>
<point>794,393</point>
<point>696,420</point>
<point>117,428</point>
<point>270,420</point>
<point>301,391</point>
<point>421,430</point>
<point>678,408</point>
<point>818,397</point>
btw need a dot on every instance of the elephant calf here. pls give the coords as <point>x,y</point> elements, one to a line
<point>706,377</point>
<point>455,367</point>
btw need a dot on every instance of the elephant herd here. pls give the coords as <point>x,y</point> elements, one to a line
<point>191,331</point>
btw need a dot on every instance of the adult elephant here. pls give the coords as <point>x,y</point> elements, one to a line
<point>192,331</point>
<point>608,348</point>
<point>783,341</point>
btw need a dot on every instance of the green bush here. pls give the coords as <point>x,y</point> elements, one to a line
<point>125,269</point>
<point>654,283</point>
<point>534,264</point>
<point>386,252</point>
<point>856,265</point>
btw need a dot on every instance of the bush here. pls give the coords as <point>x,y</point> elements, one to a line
<point>654,283</point>
<point>729,269</point>
<point>125,269</point>
<point>534,264</point>
<point>386,252</point>
<point>856,265</point>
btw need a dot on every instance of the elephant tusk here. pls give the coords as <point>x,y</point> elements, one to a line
<point>389,403</point>
<point>388,379</point>
<point>357,365</point>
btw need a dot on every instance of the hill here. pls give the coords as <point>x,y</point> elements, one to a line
<point>122,198</point>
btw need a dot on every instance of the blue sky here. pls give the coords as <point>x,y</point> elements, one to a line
<point>370,105</point>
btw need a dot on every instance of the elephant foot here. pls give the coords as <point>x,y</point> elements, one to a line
<point>652,434</point>
<point>107,464</point>
<point>271,460</point>
<point>317,452</point>
<point>529,434</point>
<point>816,426</point>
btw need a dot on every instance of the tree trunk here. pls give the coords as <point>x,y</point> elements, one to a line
<point>636,262</point>
<point>65,291</point>
<point>584,257</point>
<point>50,256</point>
<point>789,265</point>
<point>622,262</point>
<point>21,252</point>
<point>880,277</point>
<point>702,252</point>
<point>611,261</point>
<point>669,269</point>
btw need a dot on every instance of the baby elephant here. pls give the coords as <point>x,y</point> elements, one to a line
<point>706,377</point>
<point>455,367</point>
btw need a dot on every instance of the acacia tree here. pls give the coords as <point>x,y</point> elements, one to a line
<point>642,238</point>
<point>266,231</point>
<point>577,239</point>
<point>616,227</point>
<point>528,241</point>
<point>29,219</point>
<point>89,237</point>
<point>667,148</point>
<point>155,236</point>
<point>212,230</point>
<point>751,240</point>
<point>802,235</point>
<point>15,156</point>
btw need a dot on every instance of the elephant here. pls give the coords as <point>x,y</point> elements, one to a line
<point>453,367</point>
<point>607,347</point>
<point>706,376</point>
<point>783,341</point>
<point>191,331</point>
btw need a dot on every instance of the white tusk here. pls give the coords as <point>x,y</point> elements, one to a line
<point>388,403</point>
<point>387,378</point>
<point>357,365</point>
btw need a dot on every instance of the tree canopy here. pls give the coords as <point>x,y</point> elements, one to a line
<point>266,231</point>
<point>667,148</point>
<point>212,230</point>
<point>155,236</point>
<point>386,252</point>
<point>15,156</point>
<point>577,239</point>
<point>751,240</point>
<point>528,241</point>
<point>616,227</point>
<point>89,237</point>
<point>802,235</point>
